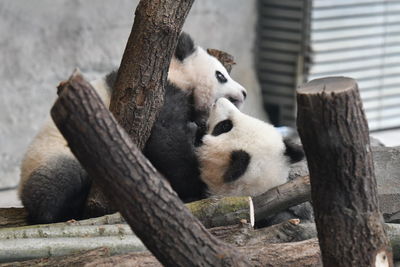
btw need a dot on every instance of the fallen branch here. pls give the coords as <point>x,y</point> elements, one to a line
<point>298,254</point>
<point>76,259</point>
<point>212,212</point>
<point>12,217</point>
<point>282,197</point>
<point>30,248</point>
<point>240,235</point>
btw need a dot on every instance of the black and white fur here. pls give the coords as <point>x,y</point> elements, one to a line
<point>241,155</point>
<point>54,186</point>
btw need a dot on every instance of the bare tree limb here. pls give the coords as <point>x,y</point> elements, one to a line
<point>282,197</point>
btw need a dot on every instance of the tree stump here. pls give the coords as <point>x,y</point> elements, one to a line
<point>335,136</point>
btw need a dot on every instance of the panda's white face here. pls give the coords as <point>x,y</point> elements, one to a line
<point>241,155</point>
<point>208,78</point>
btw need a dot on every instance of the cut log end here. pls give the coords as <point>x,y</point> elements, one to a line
<point>251,215</point>
<point>327,85</point>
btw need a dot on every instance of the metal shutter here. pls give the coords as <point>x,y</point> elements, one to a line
<point>355,38</point>
<point>361,39</point>
<point>281,45</point>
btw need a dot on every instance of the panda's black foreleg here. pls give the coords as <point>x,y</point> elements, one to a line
<point>56,192</point>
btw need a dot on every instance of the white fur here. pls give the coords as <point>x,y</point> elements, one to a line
<point>268,166</point>
<point>198,71</point>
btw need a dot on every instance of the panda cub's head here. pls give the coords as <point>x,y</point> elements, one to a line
<point>241,155</point>
<point>192,68</point>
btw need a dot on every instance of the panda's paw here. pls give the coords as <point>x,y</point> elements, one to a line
<point>192,131</point>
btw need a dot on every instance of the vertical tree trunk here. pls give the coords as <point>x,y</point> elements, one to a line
<point>144,198</point>
<point>335,135</point>
<point>138,91</point>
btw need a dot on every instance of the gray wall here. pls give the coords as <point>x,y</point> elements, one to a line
<point>42,41</point>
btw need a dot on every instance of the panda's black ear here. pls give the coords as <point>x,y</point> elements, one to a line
<point>238,164</point>
<point>293,151</point>
<point>185,46</point>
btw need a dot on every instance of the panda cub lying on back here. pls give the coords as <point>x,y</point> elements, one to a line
<point>54,186</point>
<point>241,155</point>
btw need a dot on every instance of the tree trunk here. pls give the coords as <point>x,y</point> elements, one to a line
<point>335,136</point>
<point>138,92</point>
<point>139,88</point>
<point>143,196</point>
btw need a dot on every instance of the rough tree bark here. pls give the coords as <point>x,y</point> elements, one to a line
<point>138,93</point>
<point>335,136</point>
<point>282,197</point>
<point>144,197</point>
<point>142,75</point>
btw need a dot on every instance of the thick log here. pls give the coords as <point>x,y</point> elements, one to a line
<point>144,197</point>
<point>282,197</point>
<point>335,136</point>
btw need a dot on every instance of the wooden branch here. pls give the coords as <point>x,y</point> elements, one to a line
<point>30,248</point>
<point>144,197</point>
<point>65,231</point>
<point>299,254</point>
<point>335,136</point>
<point>226,59</point>
<point>12,217</point>
<point>76,259</point>
<point>282,197</point>
<point>213,212</point>
<point>80,237</point>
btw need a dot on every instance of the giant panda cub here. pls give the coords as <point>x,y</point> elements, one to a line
<point>54,186</point>
<point>241,155</point>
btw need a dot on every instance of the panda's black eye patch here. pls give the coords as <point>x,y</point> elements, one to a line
<point>222,127</point>
<point>220,77</point>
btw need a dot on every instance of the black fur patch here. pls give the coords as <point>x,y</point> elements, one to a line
<point>185,46</point>
<point>111,78</point>
<point>293,151</point>
<point>56,192</point>
<point>238,165</point>
<point>222,127</point>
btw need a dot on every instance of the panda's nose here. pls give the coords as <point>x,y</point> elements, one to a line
<point>244,94</point>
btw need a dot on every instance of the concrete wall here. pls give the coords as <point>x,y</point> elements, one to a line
<point>42,41</point>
